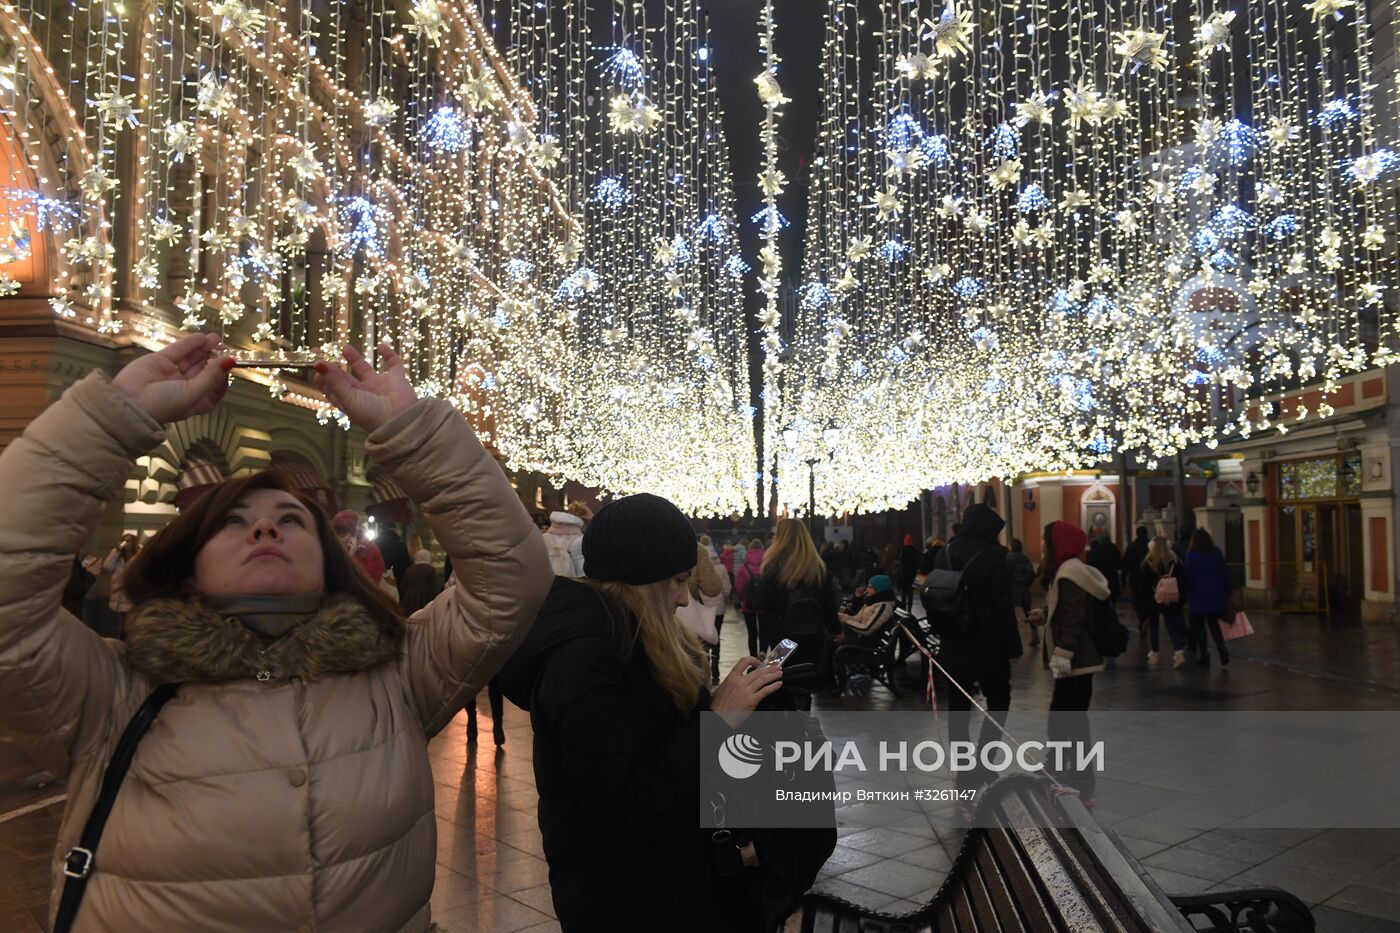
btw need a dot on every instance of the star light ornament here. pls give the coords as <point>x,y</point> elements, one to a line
<point>949,207</point>
<point>632,113</point>
<point>887,203</point>
<point>304,163</point>
<point>772,182</point>
<point>1214,33</point>
<point>1138,47</point>
<point>904,161</point>
<point>213,97</point>
<point>859,249</point>
<point>1280,132</point>
<point>951,32</point>
<point>426,21</point>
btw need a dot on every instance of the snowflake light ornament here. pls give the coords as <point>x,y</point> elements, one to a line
<point>212,96</point>
<point>8,286</point>
<point>1214,32</point>
<point>904,161</point>
<point>632,113</point>
<point>859,249</point>
<point>1373,238</point>
<point>95,182</point>
<point>951,32</point>
<point>887,203</point>
<point>1085,105</point>
<point>1006,174</point>
<point>116,110</point>
<point>949,207</point>
<point>478,91</point>
<point>547,152</point>
<point>247,22</point>
<point>769,91</point>
<point>1035,108</point>
<point>304,163</point>
<point>772,182</point>
<point>1074,200</point>
<point>1280,132</point>
<point>916,66</point>
<point>380,111</point>
<point>163,231</point>
<point>426,21</point>
<point>1324,8</point>
<point>180,139</point>
<point>1138,47</point>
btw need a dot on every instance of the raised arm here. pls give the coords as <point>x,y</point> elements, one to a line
<point>456,643</point>
<point>59,682</point>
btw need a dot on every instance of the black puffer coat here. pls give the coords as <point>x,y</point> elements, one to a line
<point>617,768</point>
<point>989,582</point>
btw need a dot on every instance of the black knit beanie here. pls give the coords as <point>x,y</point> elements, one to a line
<point>638,539</point>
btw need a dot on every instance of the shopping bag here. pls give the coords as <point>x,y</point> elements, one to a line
<point>1238,627</point>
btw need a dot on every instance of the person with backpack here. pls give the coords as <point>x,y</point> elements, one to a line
<point>796,596</point>
<point>1209,595</point>
<point>1161,579</point>
<point>969,602</point>
<point>1075,594</point>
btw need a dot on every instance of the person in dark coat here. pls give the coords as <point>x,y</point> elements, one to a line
<point>1209,595</point>
<point>1022,576</point>
<point>1105,557</point>
<point>1133,556</point>
<point>395,554</point>
<point>797,597</point>
<point>615,685</point>
<point>908,570</point>
<point>419,583</point>
<point>979,660</point>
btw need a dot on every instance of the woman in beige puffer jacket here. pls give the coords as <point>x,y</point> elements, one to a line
<point>286,786</point>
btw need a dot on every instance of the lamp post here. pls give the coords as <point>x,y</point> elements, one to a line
<point>831,439</point>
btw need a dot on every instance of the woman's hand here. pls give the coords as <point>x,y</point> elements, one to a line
<point>743,689</point>
<point>186,378</point>
<point>370,398</point>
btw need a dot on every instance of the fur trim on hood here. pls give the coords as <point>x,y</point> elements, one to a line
<point>562,523</point>
<point>185,641</point>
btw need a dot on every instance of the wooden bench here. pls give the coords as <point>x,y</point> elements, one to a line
<point>1042,864</point>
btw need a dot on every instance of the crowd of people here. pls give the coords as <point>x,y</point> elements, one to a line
<point>277,668</point>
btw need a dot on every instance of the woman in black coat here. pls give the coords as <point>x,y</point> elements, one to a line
<point>615,686</point>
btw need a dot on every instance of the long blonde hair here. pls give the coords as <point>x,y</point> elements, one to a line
<point>795,556</point>
<point>679,662</point>
<point>1159,554</point>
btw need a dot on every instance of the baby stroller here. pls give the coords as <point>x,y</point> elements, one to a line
<point>871,647</point>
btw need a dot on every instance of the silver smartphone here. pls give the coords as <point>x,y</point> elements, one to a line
<point>779,653</point>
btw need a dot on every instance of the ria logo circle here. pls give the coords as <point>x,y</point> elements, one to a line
<point>740,756</point>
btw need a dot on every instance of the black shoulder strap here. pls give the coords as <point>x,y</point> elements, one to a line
<point>80,861</point>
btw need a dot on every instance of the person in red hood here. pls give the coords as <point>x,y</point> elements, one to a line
<point>1071,587</point>
<point>365,552</point>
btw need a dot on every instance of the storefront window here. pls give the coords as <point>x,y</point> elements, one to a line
<point>1326,478</point>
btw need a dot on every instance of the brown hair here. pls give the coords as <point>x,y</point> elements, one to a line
<point>164,568</point>
<point>795,555</point>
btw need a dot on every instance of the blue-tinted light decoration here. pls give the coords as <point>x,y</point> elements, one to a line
<point>935,150</point>
<point>1003,141</point>
<point>897,355</point>
<point>1205,241</point>
<point>893,250</point>
<point>1197,378</point>
<point>985,338</point>
<point>1032,199</point>
<point>1241,141</point>
<point>1334,113</point>
<point>903,132</point>
<point>446,131</point>
<point>1187,177</point>
<point>992,386</point>
<point>1100,445</point>
<point>49,213</point>
<point>770,220</point>
<point>1232,221</point>
<point>815,295</point>
<point>624,67</point>
<point>681,249</point>
<point>1281,227</point>
<point>968,287</point>
<point>360,218</point>
<point>713,229</point>
<point>611,193</point>
<point>577,284</point>
<point>735,267</point>
<point>1223,260</point>
<point>519,270</point>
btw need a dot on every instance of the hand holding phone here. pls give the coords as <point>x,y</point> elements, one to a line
<point>779,653</point>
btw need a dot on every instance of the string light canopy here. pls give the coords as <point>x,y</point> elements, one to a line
<point>295,176</point>
<point>1042,235</point>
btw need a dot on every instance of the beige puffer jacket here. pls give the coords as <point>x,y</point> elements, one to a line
<point>291,804</point>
